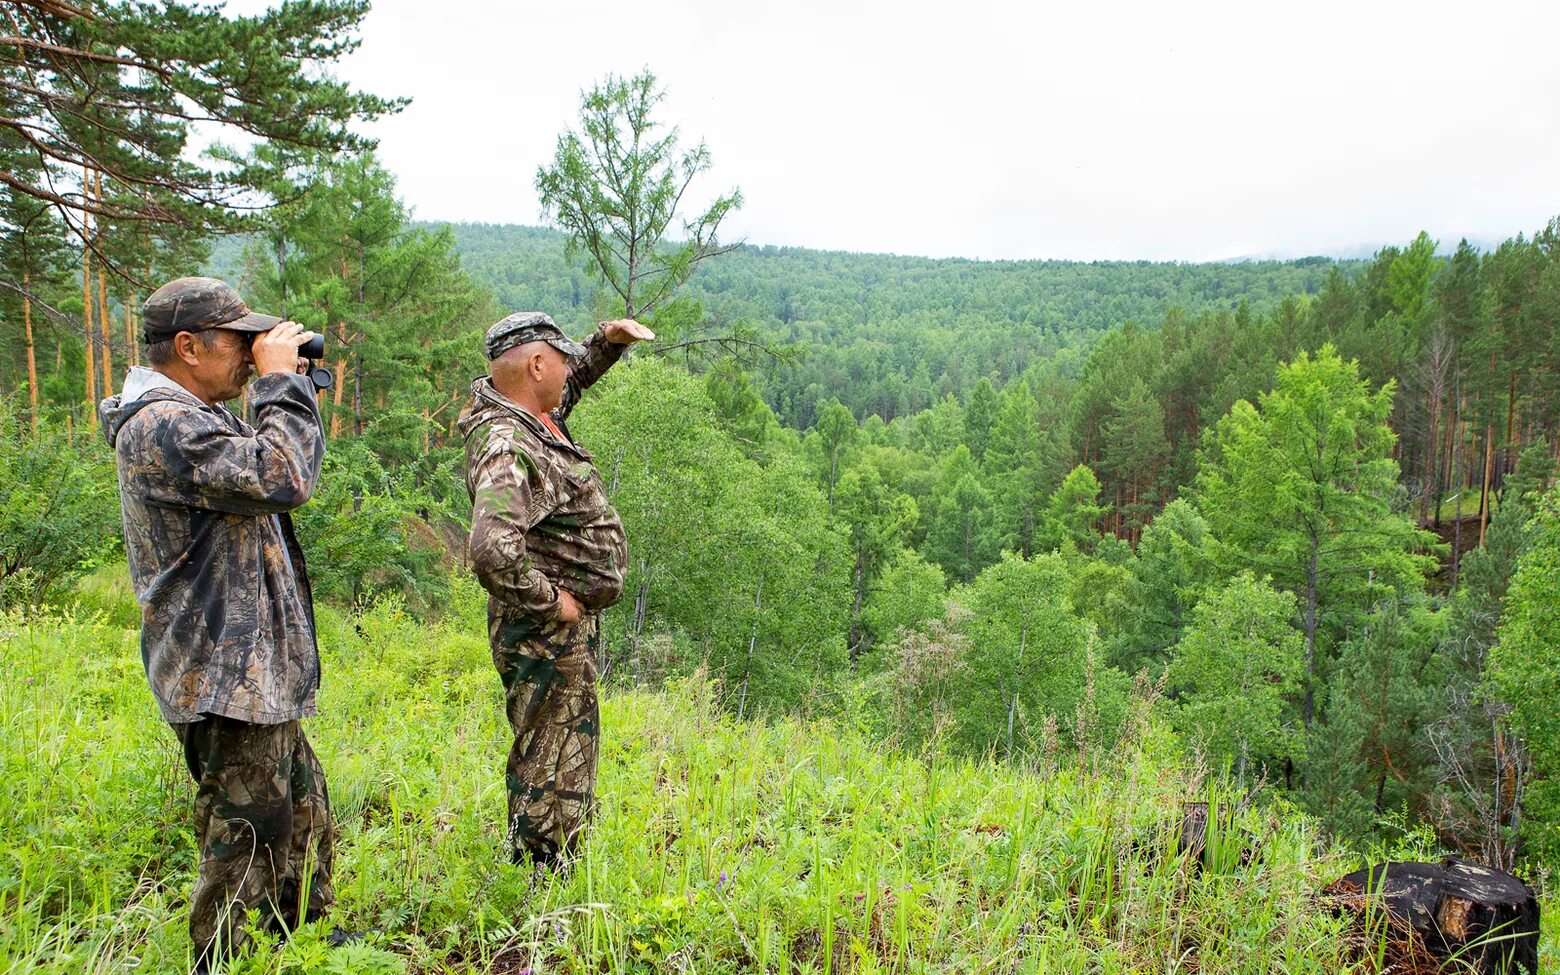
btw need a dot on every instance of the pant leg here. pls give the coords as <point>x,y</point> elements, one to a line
<point>550,695</point>
<point>261,820</point>
<point>311,855</point>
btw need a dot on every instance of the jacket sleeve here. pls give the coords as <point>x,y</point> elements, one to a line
<point>507,498</point>
<point>600,355</point>
<point>200,461</point>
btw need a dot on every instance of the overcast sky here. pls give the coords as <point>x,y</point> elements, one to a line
<point>1187,130</point>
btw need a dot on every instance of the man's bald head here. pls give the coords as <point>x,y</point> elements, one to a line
<point>532,374</point>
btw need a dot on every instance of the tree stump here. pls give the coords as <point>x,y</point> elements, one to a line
<point>1483,917</point>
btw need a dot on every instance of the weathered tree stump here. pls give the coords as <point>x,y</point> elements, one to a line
<point>1433,912</point>
<point>1192,838</point>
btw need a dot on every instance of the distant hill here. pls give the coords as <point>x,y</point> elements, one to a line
<point>890,334</point>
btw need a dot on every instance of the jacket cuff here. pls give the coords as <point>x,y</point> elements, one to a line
<point>277,386</point>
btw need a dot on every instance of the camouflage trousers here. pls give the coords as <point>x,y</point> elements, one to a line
<point>550,696</point>
<point>262,823</point>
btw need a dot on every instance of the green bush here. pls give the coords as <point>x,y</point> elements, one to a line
<point>59,507</point>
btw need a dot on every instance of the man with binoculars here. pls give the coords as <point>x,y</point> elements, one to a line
<point>227,632</point>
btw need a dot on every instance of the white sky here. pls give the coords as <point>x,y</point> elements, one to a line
<point>1188,130</point>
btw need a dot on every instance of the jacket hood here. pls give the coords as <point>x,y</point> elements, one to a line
<point>142,388</point>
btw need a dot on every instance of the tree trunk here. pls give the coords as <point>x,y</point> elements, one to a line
<point>339,387</point>
<point>32,360</point>
<point>357,395</point>
<point>853,638</point>
<point>86,296</point>
<point>1018,667</point>
<point>1432,462</point>
<point>1484,492</point>
<point>108,365</point>
<point>1457,479</point>
<point>1310,634</point>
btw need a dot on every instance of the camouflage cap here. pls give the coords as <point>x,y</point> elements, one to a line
<point>195,305</point>
<point>528,326</point>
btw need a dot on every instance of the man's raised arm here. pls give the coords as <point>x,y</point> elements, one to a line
<point>603,348</point>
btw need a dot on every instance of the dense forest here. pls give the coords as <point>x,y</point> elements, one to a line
<point>1304,511</point>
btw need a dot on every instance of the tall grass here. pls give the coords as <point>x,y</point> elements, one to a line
<point>718,846</point>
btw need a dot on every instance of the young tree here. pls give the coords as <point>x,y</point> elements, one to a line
<point>1073,511</point>
<point>1373,755</point>
<point>911,592</point>
<point>979,415</point>
<point>1024,460</point>
<point>1236,674</point>
<point>960,534</point>
<point>615,187</point>
<point>878,518</point>
<point>1026,654</point>
<point>1302,489</point>
<point>834,431</point>
<point>1166,579</point>
<point>1134,452</point>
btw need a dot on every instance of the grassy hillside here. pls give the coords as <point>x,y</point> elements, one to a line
<point>793,846</point>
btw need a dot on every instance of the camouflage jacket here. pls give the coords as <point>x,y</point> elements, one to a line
<point>227,620</point>
<point>540,518</point>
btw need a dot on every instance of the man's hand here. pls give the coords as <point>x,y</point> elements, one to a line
<point>569,609</point>
<point>626,331</point>
<point>277,350</point>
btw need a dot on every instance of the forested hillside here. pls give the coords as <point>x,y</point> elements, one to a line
<point>891,335</point>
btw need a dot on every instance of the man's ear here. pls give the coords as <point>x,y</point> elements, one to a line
<point>188,348</point>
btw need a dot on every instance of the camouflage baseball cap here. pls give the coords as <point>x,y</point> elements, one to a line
<point>529,326</point>
<point>195,305</point>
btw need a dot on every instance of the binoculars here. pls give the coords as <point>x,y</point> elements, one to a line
<point>312,350</point>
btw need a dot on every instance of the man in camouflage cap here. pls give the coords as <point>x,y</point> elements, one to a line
<point>227,633</point>
<point>551,553</point>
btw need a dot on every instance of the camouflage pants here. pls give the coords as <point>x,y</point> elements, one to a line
<point>550,696</point>
<point>262,822</point>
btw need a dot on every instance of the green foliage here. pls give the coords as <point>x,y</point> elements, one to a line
<point>961,531</point>
<point>366,533</point>
<point>1030,670</point>
<point>1374,753</point>
<point>1236,676</point>
<point>1024,461</point>
<point>1524,673</point>
<point>741,558</point>
<point>58,508</point>
<point>910,593</point>
<point>1073,511</point>
<point>1302,489</point>
<point>1173,565</point>
<point>131,115</point>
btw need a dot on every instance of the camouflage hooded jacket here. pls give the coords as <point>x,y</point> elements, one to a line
<point>540,518</point>
<point>227,621</point>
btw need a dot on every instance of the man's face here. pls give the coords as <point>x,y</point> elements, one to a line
<point>225,365</point>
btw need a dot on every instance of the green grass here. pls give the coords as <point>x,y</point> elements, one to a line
<point>789,846</point>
